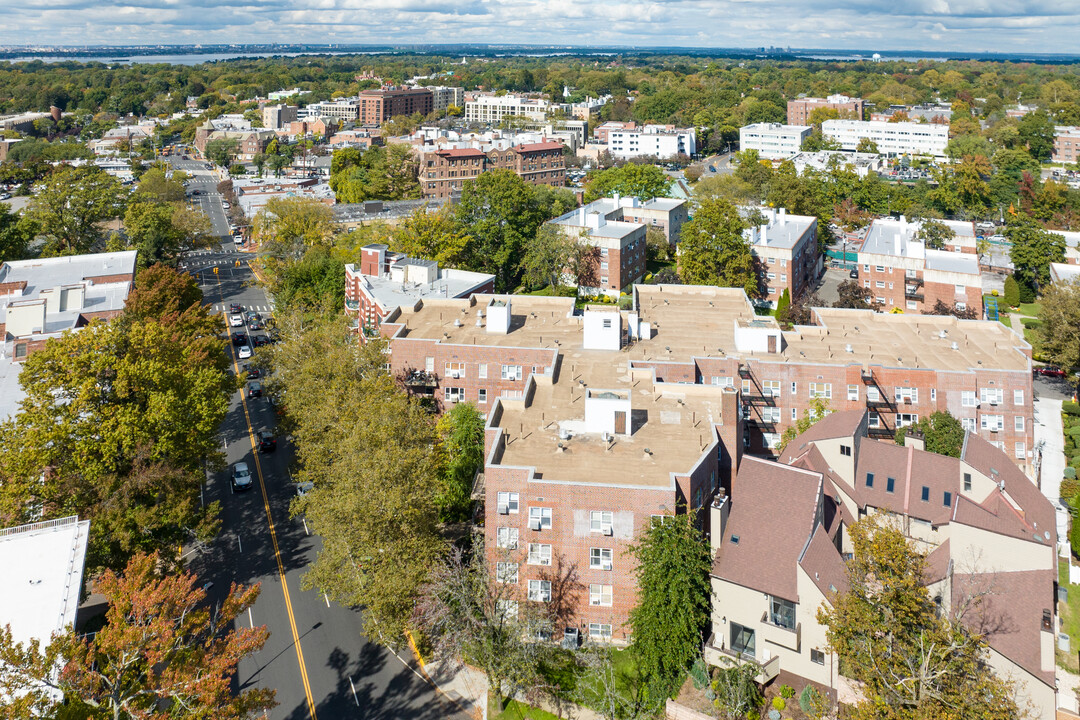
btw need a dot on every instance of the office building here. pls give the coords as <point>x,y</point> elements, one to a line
<point>658,141</point>
<point>900,138</point>
<point>773,141</point>
<point>378,106</point>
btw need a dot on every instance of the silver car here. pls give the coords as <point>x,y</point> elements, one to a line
<point>241,477</point>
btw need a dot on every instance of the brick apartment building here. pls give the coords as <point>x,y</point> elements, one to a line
<point>1066,144</point>
<point>620,252</point>
<point>600,420</point>
<point>378,106</point>
<point>800,109</point>
<point>444,171</point>
<point>903,273</point>
<point>787,248</point>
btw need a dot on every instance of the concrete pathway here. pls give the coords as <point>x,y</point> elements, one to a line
<point>1068,684</point>
<point>1050,440</point>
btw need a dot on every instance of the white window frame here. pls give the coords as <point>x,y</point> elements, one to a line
<point>506,573</point>
<point>511,372</point>
<point>969,424</point>
<point>455,370</point>
<point>1018,397</point>
<point>600,631</point>
<point>601,521</point>
<point>508,608</point>
<point>481,371</point>
<point>1020,449</point>
<point>994,396</point>
<point>600,594</point>
<point>853,393</point>
<point>540,590</point>
<point>511,500</point>
<point>906,419</point>
<point>1018,423</point>
<point>481,396</point>
<point>821,390</point>
<point>770,388</point>
<point>968,399</point>
<point>453,394</point>
<point>539,554</point>
<point>543,514</point>
<point>992,422</point>
<point>507,537</point>
<point>902,393</point>
<point>601,558</point>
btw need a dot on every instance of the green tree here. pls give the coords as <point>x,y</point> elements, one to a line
<point>1012,292</point>
<point>656,244</point>
<point>736,690</point>
<point>641,181</point>
<point>149,228</point>
<point>221,150</point>
<point>459,453</point>
<point>853,295</point>
<point>432,236</point>
<point>866,145</point>
<point>1038,133</point>
<point>165,295</point>
<point>15,235</point>
<point>673,600</point>
<point>1032,251</point>
<point>714,251</point>
<point>156,186</point>
<point>72,205</point>
<point>942,432</point>
<point>819,408</point>
<point>287,226</point>
<point>313,283</point>
<point>1059,333</point>
<point>552,255</point>
<point>934,233</point>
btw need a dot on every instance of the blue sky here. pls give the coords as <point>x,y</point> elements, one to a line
<point>959,25</point>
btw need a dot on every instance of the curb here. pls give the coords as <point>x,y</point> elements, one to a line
<point>474,712</point>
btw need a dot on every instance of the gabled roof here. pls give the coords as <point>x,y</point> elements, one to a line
<point>844,423</point>
<point>823,565</point>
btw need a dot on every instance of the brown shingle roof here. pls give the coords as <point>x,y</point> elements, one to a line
<point>844,423</point>
<point>767,551</point>
<point>937,563</point>
<point>824,566</point>
<point>911,470</point>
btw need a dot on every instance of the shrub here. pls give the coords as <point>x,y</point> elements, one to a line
<point>699,673</point>
<point>1027,294</point>
<point>1070,487</point>
<point>814,705</point>
<point>779,704</point>
<point>1031,323</point>
<point>753,715</point>
<point>994,293</point>
<point>1070,408</point>
<point>1012,292</point>
<point>787,692</point>
<point>1074,531</point>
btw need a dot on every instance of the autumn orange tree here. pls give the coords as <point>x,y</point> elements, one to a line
<point>163,652</point>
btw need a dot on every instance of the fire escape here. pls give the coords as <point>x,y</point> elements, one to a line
<point>882,405</point>
<point>754,399</point>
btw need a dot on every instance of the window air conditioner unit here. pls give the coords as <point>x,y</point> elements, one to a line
<point>594,602</point>
<point>607,530</point>
<point>455,374</point>
<point>504,510</point>
<point>993,403</point>
<point>534,523</point>
<point>605,566</point>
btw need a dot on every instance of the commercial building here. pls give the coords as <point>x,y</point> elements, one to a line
<point>786,248</point>
<point>800,109</point>
<point>602,132</point>
<point>250,142</point>
<point>445,97</point>
<point>862,164</point>
<point>378,106</point>
<point>444,170</point>
<point>275,117</point>
<point>900,138</point>
<point>903,273</point>
<point>619,257</point>
<point>344,110</point>
<point>773,141</point>
<point>350,216</point>
<point>1066,144</point>
<point>659,141</point>
<point>601,420</point>
<point>988,534</point>
<point>41,299</point>
<point>385,281</point>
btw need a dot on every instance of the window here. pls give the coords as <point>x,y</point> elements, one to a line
<point>794,388</point>
<point>455,369</point>
<point>907,395</point>
<point>968,424</point>
<point>600,521</point>
<point>967,398</point>
<point>1018,423</point>
<point>905,419</point>
<point>481,371</point>
<point>872,394</point>
<point>770,440</point>
<point>912,305</point>
<point>994,396</point>
<point>925,493</point>
<point>946,499</point>
<point>967,482</point>
<point>890,484</point>
<point>845,450</point>
<point>508,502</point>
<point>603,265</point>
<point>1020,449</point>
<point>539,554</point>
<point>794,414</point>
<point>481,396</point>
<point>600,558</point>
<point>607,323</point>
<point>723,381</point>
<point>742,640</point>
<point>454,394</point>
<point>821,390</point>
<point>853,393</point>
<point>869,480</point>
<point>600,631</point>
<point>508,608</point>
<point>507,537</point>
<point>771,387</point>
<point>506,572</point>
<point>873,420</point>
<point>993,423</point>
<point>933,394</point>
<point>540,518</point>
<point>880,268</point>
<point>511,372</point>
<point>880,300</point>
<point>540,590</point>
<point>1018,397</point>
<point>770,414</point>
<point>817,657</point>
<point>782,612</point>
<point>600,595</point>
<point>880,284</point>
<point>771,276</point>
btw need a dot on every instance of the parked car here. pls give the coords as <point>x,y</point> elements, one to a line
<point>254,389</point>
<point>236,320</point>
<point>255,325</point>
<point>241,476</point>
<point>1049,371</point>
<point>253,372</point>
<point>243,352</point>
<point>267,441</point>
<point>304,488</point>
<point>854,273</point>
<point>239,338</point>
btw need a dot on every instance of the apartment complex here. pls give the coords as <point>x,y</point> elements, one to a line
<point>799,109</point>
<point>378,106</point>
<point>275,117</point>
<point>1066,144</point>
<point>445,170</point>
<point>903,273</point>
<point>988,534</point>
<point>787,249</point>
<point>42,298</point>
<point>619,257</point>
<point>445,97</point>
<point>491,109</point>
<point>250,142</point>
<point>601,420</point>
<point>659,141</point>
<point>773,141</point>
<point>899,138</point>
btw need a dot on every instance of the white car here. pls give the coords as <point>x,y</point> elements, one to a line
<point>243,352</point>
<point>236,320</point>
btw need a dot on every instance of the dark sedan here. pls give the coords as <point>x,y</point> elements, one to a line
<point>267,441</point>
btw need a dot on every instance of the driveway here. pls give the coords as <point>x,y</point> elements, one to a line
<point>827,285</point>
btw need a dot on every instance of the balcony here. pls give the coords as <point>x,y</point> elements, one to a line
<point>790,638</point>
<point>758,397</point>
<point>882,403</point>
<point>911,292</point>
<point>761,424</point>
<point>417,379</point>
<point>744,371</point>
<point>352,304</point>
<point>720,656</point>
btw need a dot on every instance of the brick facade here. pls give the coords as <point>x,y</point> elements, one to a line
<point>444,172</point>
<point>378,106</point>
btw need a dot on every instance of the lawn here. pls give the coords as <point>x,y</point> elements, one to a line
<point>1070,618</point>
<point>1030,309</point>
<point>575,685</point>
<point>520,711</point>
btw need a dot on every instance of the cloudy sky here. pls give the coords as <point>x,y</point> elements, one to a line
<point>960,25</point>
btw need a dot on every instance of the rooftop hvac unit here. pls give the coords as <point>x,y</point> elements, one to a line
<point>504,510</point>
<point>534,523</point>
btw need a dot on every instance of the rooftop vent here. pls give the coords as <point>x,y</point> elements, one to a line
<point>848,348</point>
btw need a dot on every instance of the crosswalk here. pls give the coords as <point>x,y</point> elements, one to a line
<point>224,308</point>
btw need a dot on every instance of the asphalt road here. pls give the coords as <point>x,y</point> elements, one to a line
<point>317,657</point>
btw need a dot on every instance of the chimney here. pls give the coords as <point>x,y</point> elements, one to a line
<point>581,216</point>
<point>718,516</point>
<point>616,198</point>
<point>764,235</point>
<point>783,216</point>
<point>915,439</point>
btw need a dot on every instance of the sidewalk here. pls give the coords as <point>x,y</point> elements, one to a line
<point>466,686</point>
<point>1050,438</point>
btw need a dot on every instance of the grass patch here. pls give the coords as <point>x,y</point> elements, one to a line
<point>549,291</point>
<point>1070,619</point>
<point>576,685</point>
<point>1031,309</point>
<point>1005,320</point>
<point>655,266</point>
<point>519,711</point>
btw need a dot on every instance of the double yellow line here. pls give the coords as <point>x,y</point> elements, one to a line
<point>270,522</point>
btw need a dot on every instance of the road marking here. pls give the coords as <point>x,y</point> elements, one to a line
<point>250,621</point>
<point>273,535</point>
<point>239,543</point>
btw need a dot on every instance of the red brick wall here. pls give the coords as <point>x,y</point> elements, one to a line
<point>105,279</point>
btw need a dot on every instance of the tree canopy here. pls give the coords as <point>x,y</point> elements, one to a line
<point>644,182</point>
<point>713,250</point>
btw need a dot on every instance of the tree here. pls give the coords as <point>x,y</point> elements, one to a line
<point>155,186</point>
<point>616,693</point>
<point>149,228</point>
<point>819,408</point>
<point>71,205</point>
<point>378,173</point>
<point>736,690</point>
<point>942,432</point>
<point>1032,251</point>
<point>312,283</point>
<point>288,226</point>
<point>15,235</point>
<point>432,236</point>
<point>221,150</point>
<point>173,298</point>
<point>644,182</point>
<point>916,661</point>
<point>866,145</point>
<point>934,233</point>
<point>549,256</point>
<point>783,304</point>
<point>1011,296</point>
<point>161,647</point>
<point>673,600</point>
<point>853,295</point>
<point>1059,334</point>
<point>799,312</point>
<point>657,246</point>
<point>459,453</point>
<point>1037,132</point>
<point>714,251</point>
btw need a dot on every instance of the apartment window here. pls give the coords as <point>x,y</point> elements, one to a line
<point>820,390</point>
<point>881,301</point>
<point>890,484</point>
<point>866,268</point>
<point>603,265</point>
<point>783,277</point>
<point>1018,423</point>
<point>771,387</point>
<point>873,394</point>
<point>539,554</point>
<point>506,572</point>
<point>880,268</point>
<point>770,414</point>
<point>845,450</point>
<point>992,422</point>
<point>794,414</point>
<point>770,440</point>
<point>600,558</point>
<point>600,595</point>
<point>869,480</point>
<point>607,323</point>
<point>540,590</point>
<point>507,608</point>
<point>1018,397</point>
<point>1020,449</point>
<point>540,518</point>
<point>455,369</point>
<point>946,499</point>
<point>912,305</point>
<point>873,420</point>
<point>453,394</point>
<point>905,419</point>
<point>853,393</point>
<point>933,394</point>
<point>508,503</point>
<point>782,612</point>
<point>794,388</point>
<point>600,631</point>
<point>907,395</point>
<point>967,482</point>
<point>604,280</point>
<point>481,396</point>
<point>723,381</point>
<point>507,537</point>
<point>925,493</point>
<point>968,424</point>
<point>771,276</point>
<point>600,521</point>
<point>817,656</point>
<point>511,372</point>
<point>880,284</point>
<point>994,396</point>
<point>481,371</point>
